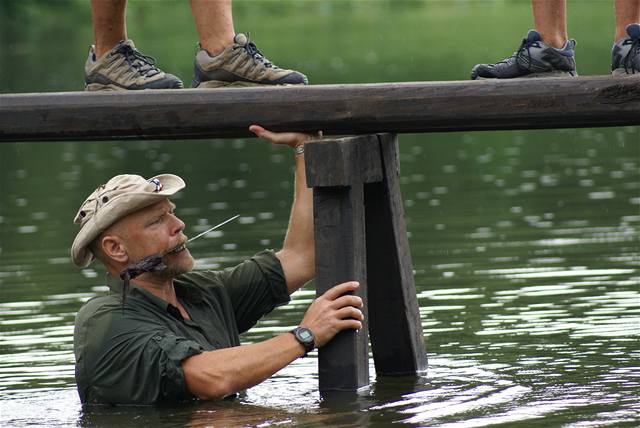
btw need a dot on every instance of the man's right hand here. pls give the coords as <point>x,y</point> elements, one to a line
<point>333,312</point>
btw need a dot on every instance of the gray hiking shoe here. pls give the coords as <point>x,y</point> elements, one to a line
<point>240,64</point>
<point>534,58</point>
<point>124,67</point>
<point>625,55</point>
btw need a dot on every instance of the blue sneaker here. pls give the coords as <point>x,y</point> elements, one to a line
<point>625,55</point>
<point>534,58</point>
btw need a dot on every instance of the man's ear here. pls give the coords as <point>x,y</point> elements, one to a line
<point>114,248</point>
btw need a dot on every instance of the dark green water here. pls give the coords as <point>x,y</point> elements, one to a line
<point>525,245</point>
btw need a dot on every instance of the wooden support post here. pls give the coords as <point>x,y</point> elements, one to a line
<point>340,242</point>
<point>360,235</point>
<point>394,317</point>
<point>337,170</point>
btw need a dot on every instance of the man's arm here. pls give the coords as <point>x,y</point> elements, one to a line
<point>297,255</point>
<point>216,374</point>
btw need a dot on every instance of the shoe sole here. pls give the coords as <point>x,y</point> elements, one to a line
<point>533,76</point>
<point>100,87</point>
<point>210,84</point>
<point>622,72</point>
<point>110,87</point>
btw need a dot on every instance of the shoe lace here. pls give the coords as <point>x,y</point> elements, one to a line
<point>627,60</point>
<point>252,50</point>
<point>525,48</point>
<point>144,64</point>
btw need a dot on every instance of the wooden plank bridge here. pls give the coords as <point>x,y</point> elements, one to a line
<point>335,109</point>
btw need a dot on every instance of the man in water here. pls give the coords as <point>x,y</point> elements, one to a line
<point>176,336</point>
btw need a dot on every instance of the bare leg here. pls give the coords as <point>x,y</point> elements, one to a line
<point>109,25</point>
<point>549,17</point>
<point>214,23</point>
<point>627,12</point>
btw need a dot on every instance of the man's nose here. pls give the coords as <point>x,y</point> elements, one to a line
<point>178,225</point>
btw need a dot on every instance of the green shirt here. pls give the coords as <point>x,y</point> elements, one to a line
<point>133,356</point>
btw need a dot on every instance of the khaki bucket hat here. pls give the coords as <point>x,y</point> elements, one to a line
<point>122,195</point>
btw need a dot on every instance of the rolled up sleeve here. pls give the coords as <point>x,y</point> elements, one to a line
<point>173,350</point>
<point>256,287</point>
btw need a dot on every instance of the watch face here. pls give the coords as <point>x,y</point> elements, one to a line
<point>305,334</point>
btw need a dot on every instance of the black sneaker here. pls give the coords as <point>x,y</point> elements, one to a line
<point>534,58</point>
<point>123,68</point>
<point>625,55</point>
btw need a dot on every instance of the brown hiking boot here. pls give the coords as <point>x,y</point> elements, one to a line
<point>240,64</point>
<point>125,68</point>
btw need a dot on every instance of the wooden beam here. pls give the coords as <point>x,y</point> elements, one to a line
<point>337,170</point>
<point>395,328</point>
<point>343,363</point>
<point>343,161</point>
<point>335,109</point>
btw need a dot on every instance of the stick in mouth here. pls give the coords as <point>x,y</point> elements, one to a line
<point>154,263</point>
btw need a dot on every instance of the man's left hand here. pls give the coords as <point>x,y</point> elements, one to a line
<point>291,139</point>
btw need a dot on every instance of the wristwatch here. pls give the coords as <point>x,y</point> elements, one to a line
<point>305,337</point>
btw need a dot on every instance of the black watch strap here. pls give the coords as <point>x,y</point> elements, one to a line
<point>305,337</point>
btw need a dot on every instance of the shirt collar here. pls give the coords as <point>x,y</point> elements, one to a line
<point>183,291</point>
<point>115,285</point>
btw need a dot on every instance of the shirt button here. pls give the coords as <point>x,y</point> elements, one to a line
<point>158,338</point>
